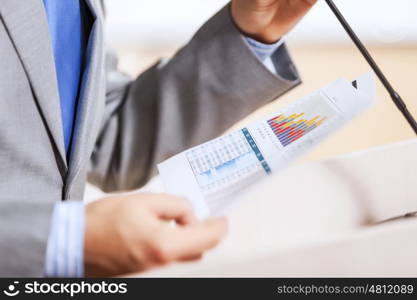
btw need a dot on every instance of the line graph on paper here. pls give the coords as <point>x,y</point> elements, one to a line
<point>226,164</point>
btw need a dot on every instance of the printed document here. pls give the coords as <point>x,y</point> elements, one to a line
<point>212,174</point>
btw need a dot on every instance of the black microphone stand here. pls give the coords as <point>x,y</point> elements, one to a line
<point>394,95</point>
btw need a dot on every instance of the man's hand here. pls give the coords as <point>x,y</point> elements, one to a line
<point>268,20</point>
<point>135,233</point>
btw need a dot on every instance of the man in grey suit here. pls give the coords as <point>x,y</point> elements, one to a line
<point>67,115</point>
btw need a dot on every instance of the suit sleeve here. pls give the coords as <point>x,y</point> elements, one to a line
<point>16,258</point>
<point>211,83</point>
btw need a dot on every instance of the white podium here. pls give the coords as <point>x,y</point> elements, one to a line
<point>322,219</point>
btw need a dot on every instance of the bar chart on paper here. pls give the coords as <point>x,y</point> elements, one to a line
<point>291,126</point>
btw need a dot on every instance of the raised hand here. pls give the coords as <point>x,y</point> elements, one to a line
<point>268,20</point>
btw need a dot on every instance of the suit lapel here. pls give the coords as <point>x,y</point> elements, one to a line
<point>91,95</point>
<point>27,26</point>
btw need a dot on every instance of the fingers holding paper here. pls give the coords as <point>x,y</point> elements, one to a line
<point>129,234</point>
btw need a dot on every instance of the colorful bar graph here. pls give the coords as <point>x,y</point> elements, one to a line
<point>291,128</point>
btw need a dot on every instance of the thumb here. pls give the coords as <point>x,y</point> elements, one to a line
<point>193,240</point>
<point>172,208</point>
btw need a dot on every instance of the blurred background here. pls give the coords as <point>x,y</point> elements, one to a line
<point>144,31</point>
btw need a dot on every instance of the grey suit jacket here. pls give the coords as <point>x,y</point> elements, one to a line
<point>123,127</point>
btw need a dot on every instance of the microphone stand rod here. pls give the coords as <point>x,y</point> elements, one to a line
<point>396,98</point>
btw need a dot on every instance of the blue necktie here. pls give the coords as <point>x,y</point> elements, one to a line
<point>67,35</point>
